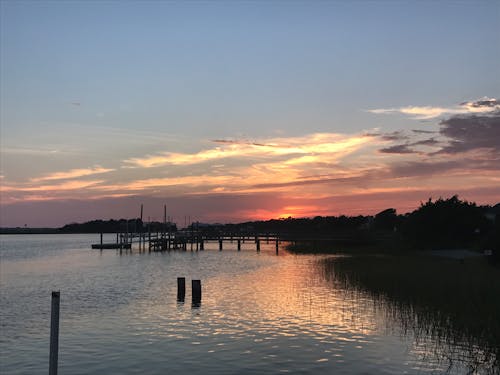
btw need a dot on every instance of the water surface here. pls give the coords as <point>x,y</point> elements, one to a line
<point>260,313</point>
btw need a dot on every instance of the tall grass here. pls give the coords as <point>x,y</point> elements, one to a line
<point>456,303</point>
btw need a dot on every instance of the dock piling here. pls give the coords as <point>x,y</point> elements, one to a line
<point>196,291</point>
<point>54,333</point>
<point>181,288</point>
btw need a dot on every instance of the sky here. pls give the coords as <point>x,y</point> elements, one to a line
<point>228,111</point>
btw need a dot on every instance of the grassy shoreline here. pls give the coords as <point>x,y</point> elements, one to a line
<point>453,302</point>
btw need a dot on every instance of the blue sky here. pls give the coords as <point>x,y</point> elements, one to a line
<point>96,84</point>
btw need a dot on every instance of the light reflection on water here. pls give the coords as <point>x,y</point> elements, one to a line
<point>260,313</point>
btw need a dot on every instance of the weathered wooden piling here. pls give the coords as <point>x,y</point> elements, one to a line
<point>220,245</point>
<point>258,244</point>
<point>101,240</point>
<point>54,333</point>
<point>149,238</point>
<point>277,246</point>
<point>239,244</point>
<point>181,289</point>
<point>196,291</point>
<point>202,245</point>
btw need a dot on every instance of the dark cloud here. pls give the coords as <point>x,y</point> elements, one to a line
<point>426,142</point>
<point>418,131</point>
<point>394,136</point>
<point>468,133</point>
<point>482,103</point>
<point>423,168</point>
<point>430,167</point>
<point>398,149</point>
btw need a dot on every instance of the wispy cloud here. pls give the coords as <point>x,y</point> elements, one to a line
<point>73,173</point>
<point>65,186</point>
<point>311,146</point>
<point>481,106</point>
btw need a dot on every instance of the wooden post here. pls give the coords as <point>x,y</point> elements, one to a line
<point>181,288</point>
<point>196,291</point>
<point>116,237</point>
<point>277,245</point>
<point>239,244</point>
<point>101,240</point>
<point>202,244</point>
<point>258,244</point>
<point>220,245</point>
<point>54,333</point>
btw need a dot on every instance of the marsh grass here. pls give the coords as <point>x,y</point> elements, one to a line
<point>455,303</point>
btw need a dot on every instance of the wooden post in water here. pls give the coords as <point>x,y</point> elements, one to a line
<point>220,244</point>
<point>202,244</point>
<point>239,244</point>
<point>101,240</point>
<point>196,291</point>
<point>258,244</point>
<point>149,237</point>
<point>117,237</point>
<point>277,245</point>
<point>54,333</point>
<point>181,288</point>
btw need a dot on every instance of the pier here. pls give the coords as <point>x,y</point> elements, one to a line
<point>186,240</point>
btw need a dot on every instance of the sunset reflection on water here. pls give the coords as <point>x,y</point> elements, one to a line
<point>260,313</point>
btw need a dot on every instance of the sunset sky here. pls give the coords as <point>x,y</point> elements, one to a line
<point>235,111</point>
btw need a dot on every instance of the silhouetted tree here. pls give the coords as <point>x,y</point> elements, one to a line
<point>386,220</point>
<point>445,223</point>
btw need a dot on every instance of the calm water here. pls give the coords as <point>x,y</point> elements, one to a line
<point>260,313</point>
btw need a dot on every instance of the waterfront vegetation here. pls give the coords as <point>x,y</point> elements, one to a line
<point>455,302</point>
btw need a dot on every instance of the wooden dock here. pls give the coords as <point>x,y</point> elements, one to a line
<point>113,245</point>
<point>183,240</point>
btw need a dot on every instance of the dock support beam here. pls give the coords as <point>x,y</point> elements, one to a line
<point>220,245</point>
<point>54,333</point>
<point>258,244</point>
<point>239,244</point>
<point>181,288</point>
<point>196,291</point>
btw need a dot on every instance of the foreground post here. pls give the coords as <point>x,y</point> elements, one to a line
<point>54,334</point>
<point>181,288</point>
<point>196,291</point>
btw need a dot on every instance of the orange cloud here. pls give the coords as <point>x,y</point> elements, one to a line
<point>73,173</point>
<point>308,148</point>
